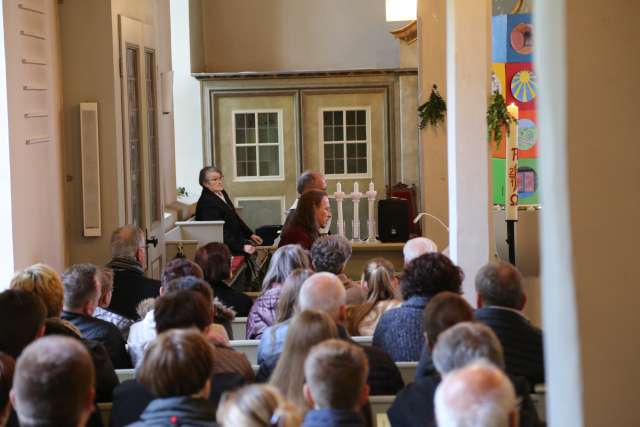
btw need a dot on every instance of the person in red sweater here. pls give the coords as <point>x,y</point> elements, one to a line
<point>312,214</point>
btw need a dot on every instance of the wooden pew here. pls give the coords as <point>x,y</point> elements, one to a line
<point>363,340</point>
<point>125,374</point>
<point>407,370</point>
<point>105,412</point>
<point>379,407</point>
<point>239,327</point>
<point>248,347</point>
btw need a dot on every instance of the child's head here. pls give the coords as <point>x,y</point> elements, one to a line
<point>336,373</point>
<point>257,405</point>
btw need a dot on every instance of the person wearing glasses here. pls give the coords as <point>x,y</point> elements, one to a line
<point>215,205</point>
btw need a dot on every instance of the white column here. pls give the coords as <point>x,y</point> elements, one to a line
<point>6,231</point>
<point>589,185</point>
<point>468,63</point>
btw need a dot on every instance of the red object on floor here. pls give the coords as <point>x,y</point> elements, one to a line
<point>236,263</point>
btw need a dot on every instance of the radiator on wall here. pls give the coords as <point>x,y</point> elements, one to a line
<point>90,155</point>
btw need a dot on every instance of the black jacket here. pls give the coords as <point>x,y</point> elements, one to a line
<point>131,398</point>
<point>241,303</point>
<point>521,342</point>
<point>130,286</point>
<point>178,411</point>
<point>211,208</point>
<point>105,333</point>
<point>414,405</point>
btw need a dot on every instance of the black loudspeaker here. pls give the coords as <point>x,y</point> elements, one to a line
<point>393,220</point>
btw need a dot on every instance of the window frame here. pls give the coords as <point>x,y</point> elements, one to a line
<point>280,146</point>
<point>321,141</point>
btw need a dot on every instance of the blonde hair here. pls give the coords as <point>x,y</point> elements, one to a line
<point>43,281</point>
<point>306,330</point>
<point>258,405</point>
<point>378,274</point>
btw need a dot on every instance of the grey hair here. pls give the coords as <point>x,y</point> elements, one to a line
<point>126,240</point>
<point>306,180</point>
<point>79,283</point>
<point>464,343</point>
<point>416,247</point>
<point>202,176</point>
<point>284,261</point>
<point>322,292</point>
<point>479,395</point>
<point>501,285</point>
<point>330,253</point>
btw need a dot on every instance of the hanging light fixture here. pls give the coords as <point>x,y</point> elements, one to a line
<point>401,10</point>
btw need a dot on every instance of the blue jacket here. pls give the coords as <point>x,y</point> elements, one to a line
<point>399,331</point>
<point>178,411</point>
<point>332,418</point>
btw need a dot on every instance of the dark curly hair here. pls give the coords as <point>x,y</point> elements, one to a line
<point>430,274</point>
<point>330,253</point>
<point>180,267</point>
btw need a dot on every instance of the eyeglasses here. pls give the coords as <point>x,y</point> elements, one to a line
<point>215,179</point>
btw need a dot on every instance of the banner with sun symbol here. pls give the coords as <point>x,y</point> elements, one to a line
<point>523,86</point>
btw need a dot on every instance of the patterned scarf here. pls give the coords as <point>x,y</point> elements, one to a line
<point>125,264</point>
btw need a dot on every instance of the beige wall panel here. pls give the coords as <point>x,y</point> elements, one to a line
<point>223,145</point>
<point>409,150</point>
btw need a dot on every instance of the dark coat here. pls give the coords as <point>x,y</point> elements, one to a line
<point>521,342</point>
<point>105,333</point>
<point>178,411</point>
<point>399,330</point>
<point>332,418</point>
<point>414,405</point>
<point>131,398</point>
<point>130,286</point>
<point>240,303</point>
<point>211,208</point>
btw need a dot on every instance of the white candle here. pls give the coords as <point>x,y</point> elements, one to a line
<point>339,188</point>
<point>371,186</point>
<point>511,176</point>
<point>355,187</point>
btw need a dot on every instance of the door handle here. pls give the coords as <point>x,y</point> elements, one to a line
<point>150,240</point>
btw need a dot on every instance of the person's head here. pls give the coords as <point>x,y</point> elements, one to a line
<point>286,259</point>
<point>324,292</point>
<point>7,367</point>
<point>215,260</point>
<point>288,301</point>
<point>500,285</point>
<point>336,373</point>
<point>190,283</point>
<point>22,316</point>
<point>307,329</point>
<point>105,277</point>
<point>182,309</point>
<point>442,312</point>
<point>330,253</point>
<point>311,180</point>
<point>180,267</point>
<point>43,281</point>
<point>464,343</point>
<point>478,395</point>
<point>313,212</point>
<point>177,363</point>
<point>53,383</point>
<point>128,242</point>
<point>211,178</point>
<point>257,405</point>
<point>81,289</point>
<point>380,283</point>
<point>416,247</point>
<point>429,274</point>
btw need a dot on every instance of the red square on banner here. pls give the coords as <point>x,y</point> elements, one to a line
<point>522,86</point>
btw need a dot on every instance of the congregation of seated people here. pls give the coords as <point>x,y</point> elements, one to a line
<point>64,335</point>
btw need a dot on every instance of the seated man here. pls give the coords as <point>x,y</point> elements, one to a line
<point>309,180</point>
<point>478,395</point>
<point>501,299</point>
<point>53,384</point>
<point>331,254</point>
<point>186,361</point>
<point>324,292</point>
<point>182,309</point>
<point>81,296</point>
<point>416,247</point>
<point>130,286</point>
<point>336,387</point>
<point>456,348</point>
